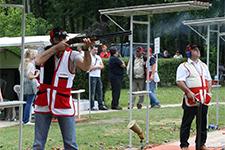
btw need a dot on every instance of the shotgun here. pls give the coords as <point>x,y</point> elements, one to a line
<point>79,39</point>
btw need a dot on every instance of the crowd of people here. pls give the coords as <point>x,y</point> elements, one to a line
<point>48,85</point>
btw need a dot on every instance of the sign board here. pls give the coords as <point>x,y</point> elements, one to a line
<point>157,45</point>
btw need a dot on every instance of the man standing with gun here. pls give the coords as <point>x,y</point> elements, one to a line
<point>194,79</point>
<point>57,71</point>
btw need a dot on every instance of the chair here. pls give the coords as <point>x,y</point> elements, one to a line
<point>16,89</point>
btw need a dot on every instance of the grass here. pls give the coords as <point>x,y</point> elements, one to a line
<point>166,95</point>
<point>109,131</point>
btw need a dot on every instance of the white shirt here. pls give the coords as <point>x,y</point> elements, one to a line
<point>183,73</point>
<point>75,56</point>
<point>96,60</point>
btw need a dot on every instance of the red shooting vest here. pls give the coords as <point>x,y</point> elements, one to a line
<point>197,83</point>
<point>55,98</point>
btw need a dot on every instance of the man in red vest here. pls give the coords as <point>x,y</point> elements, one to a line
<point>194,79</point>
<point>57,70</point>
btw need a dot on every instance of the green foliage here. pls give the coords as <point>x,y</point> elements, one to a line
<point>11,23</point>
<point>167,70</point>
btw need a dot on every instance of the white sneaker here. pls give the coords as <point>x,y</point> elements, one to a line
<point>29,123</point>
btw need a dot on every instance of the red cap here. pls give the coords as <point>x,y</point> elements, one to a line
<point>150,50</point>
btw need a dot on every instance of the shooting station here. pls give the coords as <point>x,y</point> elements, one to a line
<point>148,11</point>
<point>210,24</point>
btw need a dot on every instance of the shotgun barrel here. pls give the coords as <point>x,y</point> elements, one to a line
<point>79,39</point>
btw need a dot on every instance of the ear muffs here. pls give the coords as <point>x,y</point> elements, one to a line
<point>188,54</point>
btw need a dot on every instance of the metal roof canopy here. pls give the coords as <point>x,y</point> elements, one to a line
<point>155,8</point>
<point>147,10</point>
<point>217,21</point>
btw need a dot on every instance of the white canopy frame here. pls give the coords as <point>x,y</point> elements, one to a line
<point>23,22</point>
<point>147,10</point>
<point>208,22</point>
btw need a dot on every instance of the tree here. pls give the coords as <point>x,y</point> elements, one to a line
<point>10,24</point>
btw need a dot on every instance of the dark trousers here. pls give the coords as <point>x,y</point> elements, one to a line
<point>116,84</point>
<point>188,116</point>
<point>96,89</point>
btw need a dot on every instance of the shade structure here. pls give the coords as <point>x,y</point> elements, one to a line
<point>208,22</point>
<point>43,40</point>
<point>156,8</point>
<point>147,10</point>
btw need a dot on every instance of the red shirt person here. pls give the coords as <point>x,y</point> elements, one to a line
<point>104,53</point>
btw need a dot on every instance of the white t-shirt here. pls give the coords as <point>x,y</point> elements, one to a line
<point>95,61</point>
<point>183,73</point>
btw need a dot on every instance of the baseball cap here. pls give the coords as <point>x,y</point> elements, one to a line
<point>140,49</point>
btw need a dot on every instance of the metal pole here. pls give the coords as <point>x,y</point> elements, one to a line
<point>28,6</point>
<point>89,93</point>
<point>208,43</point>
<point>218,52</point>
<point>217,74</point>
<point>131,78</point>
<point>217,107</point>
<point>147,111</point>
<point>22,75</point>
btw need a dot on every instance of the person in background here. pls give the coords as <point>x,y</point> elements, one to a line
<point>95,77</point>
<point>30,84</point>
<point>178,55</point>
<point>139,74</point>
<point>153,78</point>
<point>104,53</point>
<point>116,71</point>
<point>194,79</point>
<point>10,113</point>
<point>57,70</point>
<point>2,85</point>
<point>166,54</point>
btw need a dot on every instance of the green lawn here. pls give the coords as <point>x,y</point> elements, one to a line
<point>109,130</point>
<point>166,95</point>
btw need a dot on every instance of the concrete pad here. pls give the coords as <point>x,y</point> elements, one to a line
<point>4,124</point>
<point>215,141</point>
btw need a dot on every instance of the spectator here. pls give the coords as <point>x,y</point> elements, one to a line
<point>95,77</point>
<point>58,64</point>
<point>116,70</point>
<point>194,79</point>
<point>138,69</point>
<point>166,54</point>
<point>104,53</point>
<point>10,113</point>
<point>178,55</point>
<point>30,84</point>
<point>2,85</point>
<point>153,79</point>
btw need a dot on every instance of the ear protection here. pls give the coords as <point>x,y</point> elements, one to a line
<point>188,53</point>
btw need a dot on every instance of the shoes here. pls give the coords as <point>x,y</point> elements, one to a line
<point>139,106</point>
<point>203,147</point>
<point>94,109</point>
<point>117,108</point>
<point>128,107</point>
<point>28,123</point>
<point>155,106</point>
<point>184,148</point>
<point>103,108</point>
